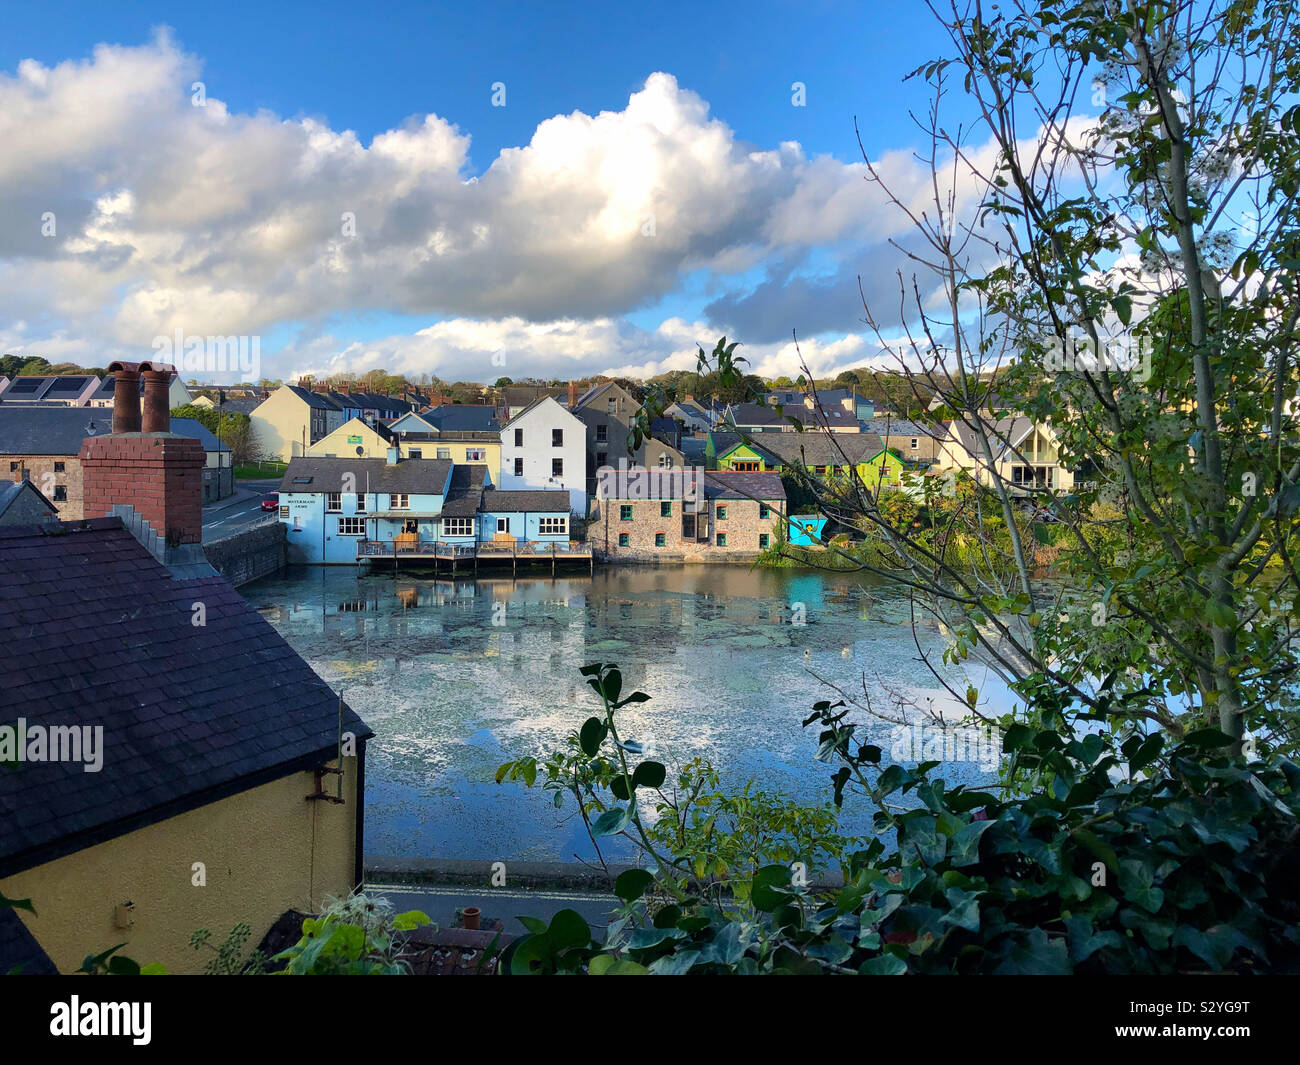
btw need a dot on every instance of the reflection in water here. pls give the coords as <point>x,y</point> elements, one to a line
<point>456,676</point>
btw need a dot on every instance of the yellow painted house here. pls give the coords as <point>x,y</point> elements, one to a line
<point>354,438</point>
<point>826,457</point>
<point>414,439</point>
<point>1025,454</point>
<point>204,775</point>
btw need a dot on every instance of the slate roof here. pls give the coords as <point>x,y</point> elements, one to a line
<point>816,448</point>
<point>313,399</point>
<point>727,485</point>
<point>525,395</point>
<point>752,414</point>
<point>410,476</point>
<point>19,949</point>
<point>11,491</point>
<point>535,501</point>
<point>60,430</point>
<point>464,492</point>
<point>718,484</point>
<point>387,406</point>
<point>98,633</point>
<point>901,427</point>
<point>463,418</point>
<point>239,406</point>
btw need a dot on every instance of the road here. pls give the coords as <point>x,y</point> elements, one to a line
<point>238,512</point>
<point>440,902</point>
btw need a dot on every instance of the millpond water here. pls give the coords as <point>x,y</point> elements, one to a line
<point>456,677</point>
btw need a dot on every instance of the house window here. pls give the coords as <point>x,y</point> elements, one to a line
<point>444,452</point>
<point>763,540</point>
<point>333,502</point>
<point>519,438</point>
<point>476,454</point>
<point>764,511</point>
<point>503,525</point>
<point>60,493</point>
<point>13,467</point>
<point>519,467</point>
<point>661,539</point>
<point>625,512</point>
<point>416,453</point>
<point>721,512</point>
<point>58,467</point>
<point>361,503</point>
<point>457,526</point>
<point>284,512</point>
<point>665,510</point>
<point>624,540</point>
<point>820,471</point>
<point>602,434</point>
<point>602,458</point>
<point>722,539</point>
<point>553,527</point>
<point>745,466</point>
<point>557,467</point>
<point>914,443</point>
<point>557,438</point>
<point>352,526</point>
<point>399,502</point>
<point>665,461</point>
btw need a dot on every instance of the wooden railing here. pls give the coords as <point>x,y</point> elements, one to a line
<point>492,549</point>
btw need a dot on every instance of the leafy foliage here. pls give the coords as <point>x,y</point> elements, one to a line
<point>353,936</point>
<point>1119,856</point>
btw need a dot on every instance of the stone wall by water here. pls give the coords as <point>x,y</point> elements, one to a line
<point>250,553</point>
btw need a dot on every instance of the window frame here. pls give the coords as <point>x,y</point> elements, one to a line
<point>462,526</point>
<point>360,525</point>
<point>333,502</point>
<point>549,525</point>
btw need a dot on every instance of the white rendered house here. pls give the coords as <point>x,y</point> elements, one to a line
<point>545,447</point>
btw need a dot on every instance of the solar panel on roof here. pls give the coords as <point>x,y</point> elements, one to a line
<point>68,384</point>
<point>26,384</point>
<point>301,480</point>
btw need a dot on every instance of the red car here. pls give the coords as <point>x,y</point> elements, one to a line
<point>271,502</point>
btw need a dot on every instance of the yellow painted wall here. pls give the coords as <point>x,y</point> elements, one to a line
<point>282,424</point>
<point>429,449</point>
<point>266,850</point>
<point>337,445</point>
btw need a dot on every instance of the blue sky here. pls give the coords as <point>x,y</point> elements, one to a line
<point>570,246</point>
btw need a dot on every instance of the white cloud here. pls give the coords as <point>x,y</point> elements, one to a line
<point>175,216</point>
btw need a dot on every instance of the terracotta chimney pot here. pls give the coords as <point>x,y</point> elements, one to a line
<point>126,397</point>
<point>157,410</point>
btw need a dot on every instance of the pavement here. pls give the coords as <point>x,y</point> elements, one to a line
<point>440,902</point>
<point>238,511</point>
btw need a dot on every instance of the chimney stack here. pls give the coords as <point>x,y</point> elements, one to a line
<point>573,394</point>
<point>150,476</point>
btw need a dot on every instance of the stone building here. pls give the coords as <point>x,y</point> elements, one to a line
<point>689,515</point>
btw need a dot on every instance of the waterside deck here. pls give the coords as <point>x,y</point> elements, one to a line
<point>439,553</point>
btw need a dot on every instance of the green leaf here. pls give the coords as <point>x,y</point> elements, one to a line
<point>592,736</point>
<point>632,883</point>
<point>568,929</point>
<point>613,820</point>
<point>404,922</point>
<point>649,775</point>
<point>883,965</point>
<point>608,965</point>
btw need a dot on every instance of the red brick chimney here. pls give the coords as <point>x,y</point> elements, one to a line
<point>144,465</point>
<point>573,394</point>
